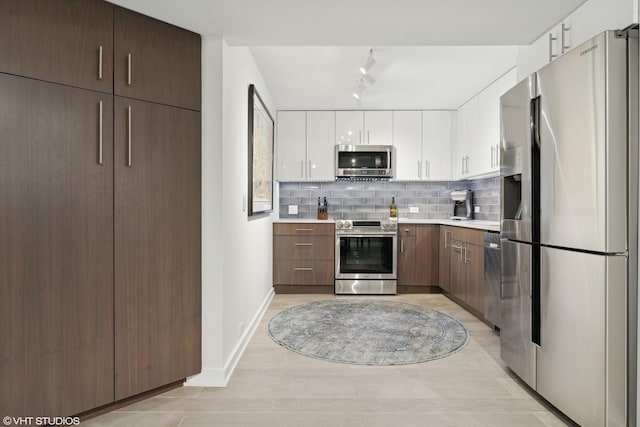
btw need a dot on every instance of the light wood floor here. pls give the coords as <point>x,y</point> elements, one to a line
<point>273,386</point>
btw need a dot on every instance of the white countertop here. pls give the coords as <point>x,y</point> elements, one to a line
<point>474,223</point>
<point>304,220</point>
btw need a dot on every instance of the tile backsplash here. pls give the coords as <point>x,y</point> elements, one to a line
<point>371,200</point>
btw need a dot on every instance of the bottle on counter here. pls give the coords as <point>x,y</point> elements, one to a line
<point>393,209</point>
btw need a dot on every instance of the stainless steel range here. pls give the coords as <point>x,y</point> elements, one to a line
<point>366,257</point>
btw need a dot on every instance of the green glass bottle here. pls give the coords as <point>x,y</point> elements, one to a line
<point>393,209</point>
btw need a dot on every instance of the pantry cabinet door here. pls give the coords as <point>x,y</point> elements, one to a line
<point>156,61</point>
<point>56,248</point>
<point>157,245</point>
<point>68,42</point>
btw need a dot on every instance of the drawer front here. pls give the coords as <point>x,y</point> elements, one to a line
<point>303,272</point>
<point>303,229</point>
<point>303,247</point>
<point>467,235</point>
<point>406,230</point>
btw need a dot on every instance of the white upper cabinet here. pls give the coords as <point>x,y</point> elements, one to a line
<point>364,127</point>
<point>291,145</point>
<point>321,136</point>
<point>586,22</point>
<point>423,145</point>
<point>407,139</point>
<point>488,130</point>
<point>349,127</point>
<point>378,127</point>
<point>305,146</point>
<point>436,145</point>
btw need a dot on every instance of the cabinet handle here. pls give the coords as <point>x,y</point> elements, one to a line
<point>462,168</point>
<point>302,169</point>
<point>304,229</point>
<point>497,155</point>
<point>129,69</point>
<point>359,137</point>
<point>551,40</point>
<point>493,164</point>
<point>466,162</point>
<point>100,133</point>
<point>129,136</point>
<point>466,254</point>
<point>368,138</point>
<point>303,244</point>
<point>100,63</point>
<point>310,169</point>
<point>565,29</point>
<point>427,167</point>
<point>446,239</point>
<point>402,245</point>
<point>419,169</point>
<point>302,269</point>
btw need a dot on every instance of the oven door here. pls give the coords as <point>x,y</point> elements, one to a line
<point>366,256</point>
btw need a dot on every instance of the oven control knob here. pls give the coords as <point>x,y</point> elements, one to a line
<point>348,224</point>
<point>339,224</point>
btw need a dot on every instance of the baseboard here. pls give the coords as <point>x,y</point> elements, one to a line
<point>220,377</point>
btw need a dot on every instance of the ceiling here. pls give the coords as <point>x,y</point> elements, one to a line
<point>431,54</point>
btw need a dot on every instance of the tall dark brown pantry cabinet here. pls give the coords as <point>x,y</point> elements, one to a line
<point>56,248</point>
<point>99,206</point>
<point>68,42</point>
<point>157,245</point>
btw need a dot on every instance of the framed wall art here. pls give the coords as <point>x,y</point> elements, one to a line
<point>261,140</point>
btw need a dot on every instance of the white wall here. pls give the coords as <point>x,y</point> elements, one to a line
<point>236,251</point>
<point>247,243</point>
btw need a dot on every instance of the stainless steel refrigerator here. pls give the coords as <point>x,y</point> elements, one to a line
<point>569,230</point>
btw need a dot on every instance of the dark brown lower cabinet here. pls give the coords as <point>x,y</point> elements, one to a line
<point>56,249</point>
<point>157,245</point>
<point>418,257</point>
<point>466,274</point>
<point>444,257</point>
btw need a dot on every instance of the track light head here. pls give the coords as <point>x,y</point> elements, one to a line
<point>370,62</point>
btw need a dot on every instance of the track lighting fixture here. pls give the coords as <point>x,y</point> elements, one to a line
<point>365,76</point>
<point>368,79</point>
<point>359,90</point>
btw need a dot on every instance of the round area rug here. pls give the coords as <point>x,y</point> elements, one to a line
<point>368,332</point>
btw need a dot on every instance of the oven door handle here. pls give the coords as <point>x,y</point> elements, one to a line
<point>391,235</point>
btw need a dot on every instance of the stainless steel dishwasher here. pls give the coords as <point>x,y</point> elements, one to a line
<point>492,309</point>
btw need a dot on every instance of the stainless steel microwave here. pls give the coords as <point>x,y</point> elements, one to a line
<point>374,161</point>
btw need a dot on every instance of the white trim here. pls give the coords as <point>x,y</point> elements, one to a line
<point>220,377</point>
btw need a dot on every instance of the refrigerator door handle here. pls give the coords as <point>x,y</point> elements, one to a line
<point>535,222</point>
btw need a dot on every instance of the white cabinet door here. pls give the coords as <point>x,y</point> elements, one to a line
<point>436,145</point>
<point>378,127</point>
<point>488,130</point>
<point>407,139</point>
<point>321,136</point>
<point>459,149</point>
<point>596,16</point>
<point>349,127</point>
<point>472,165</point>
<point>291,147</point>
